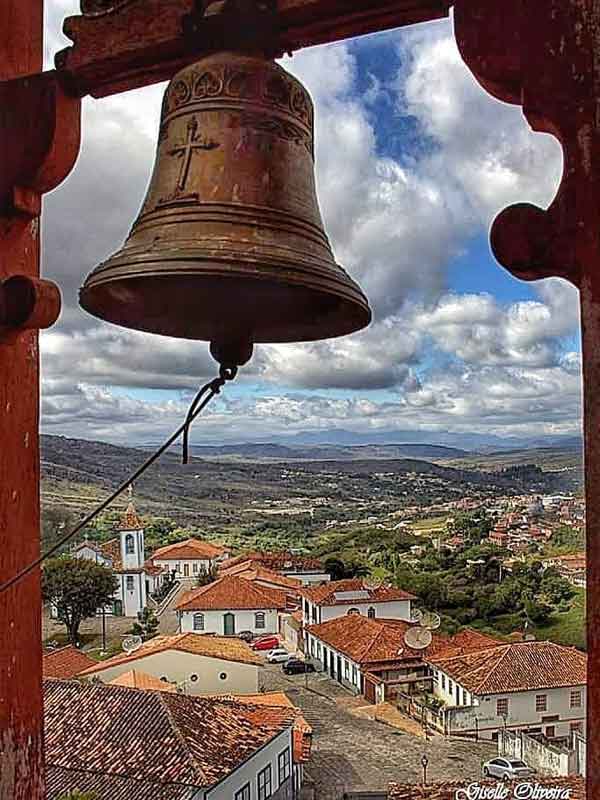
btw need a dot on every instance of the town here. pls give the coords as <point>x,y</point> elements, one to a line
<point>356,674</point>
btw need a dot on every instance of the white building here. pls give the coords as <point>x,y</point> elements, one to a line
<point>354,596</point>
<point>535,687</point>
<point>115,741</point>
<point>189,558</point>
<point>229,606</point>
<point>194,664</point>
<point>125,556</point>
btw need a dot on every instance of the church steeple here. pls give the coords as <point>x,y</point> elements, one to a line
<point>131,529</point>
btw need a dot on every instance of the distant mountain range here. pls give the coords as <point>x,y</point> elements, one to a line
<point>412,443</point>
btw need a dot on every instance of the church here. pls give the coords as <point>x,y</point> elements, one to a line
<point>126,557</point>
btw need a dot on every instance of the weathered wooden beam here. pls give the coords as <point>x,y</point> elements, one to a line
<point>547,59</point>
<point>141,42</point>
<point>21,716</point>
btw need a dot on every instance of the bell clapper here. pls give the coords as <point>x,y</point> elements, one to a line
<point>232,353</point>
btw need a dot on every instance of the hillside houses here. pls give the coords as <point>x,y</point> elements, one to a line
<point>371,656</point>
<point>189,558</point>
<point>229,606</point>
<point>191,663</point>
<point>309,571</point>
<point>103,740</point>
<point>354,596</point>
<point>538,687</point>
<point>571,567</point>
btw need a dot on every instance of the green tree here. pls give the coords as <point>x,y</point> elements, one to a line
<point>146,625</point>
<point>206,576</point>
<point>77,588</point>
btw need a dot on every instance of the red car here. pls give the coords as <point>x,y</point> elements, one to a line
<point>266,643</point>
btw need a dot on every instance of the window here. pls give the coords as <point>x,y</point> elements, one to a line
<point>319,650</point>
<point>198,622</point>
<point>464,697</point>
<point>193,677</point>
<point>195,569</point>
<point>550,732</point>
<point>264,783</point>
<point>450,686</point>
<point>129,544</point>
<point>371,613</point>
<point>541,702</point>
<point>346,669</point>
<point>284,765</point>
<point>223,676</point>
<point>354,674</point>
<point>243,793</point>
<point>129,580</point>
<point>443,677</point>
<point>259,619</point>
<point>502,707</point>
<point>353,611</point>
<point>576,698</point>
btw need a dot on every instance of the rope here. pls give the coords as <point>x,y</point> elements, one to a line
<point>202,399</point>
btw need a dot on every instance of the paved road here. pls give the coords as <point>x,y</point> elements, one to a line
<point>356,754</point>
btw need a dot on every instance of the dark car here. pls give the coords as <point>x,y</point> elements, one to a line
<point>246,636</point>
<point>296,667</point>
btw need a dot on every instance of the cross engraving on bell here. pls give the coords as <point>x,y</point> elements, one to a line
<point>185,151</point>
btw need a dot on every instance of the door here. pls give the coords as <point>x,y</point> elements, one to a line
<point>229,624</point>
<point>325,659</point>
<point>186,570</point>
<point>339,668</point>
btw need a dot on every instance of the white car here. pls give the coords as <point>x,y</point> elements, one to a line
<point>277,656</point>
<point>507,768</point>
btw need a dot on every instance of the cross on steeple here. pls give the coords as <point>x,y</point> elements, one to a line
<point>186,150</point>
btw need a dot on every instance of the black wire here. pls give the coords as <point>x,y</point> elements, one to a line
<point>213,388</point>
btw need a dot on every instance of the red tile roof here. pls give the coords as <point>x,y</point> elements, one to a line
<point>325,595</point>
<point>227,648</point>
<point>66,662</point>
<point>279,561</point>
<point>130,520</point>
<point>232,592</point>
<point>302,730</point>
<point>141,680</point>
<point>153,737</point>
<point>515,667</point>
<point>449,790</point>
<point>368,641</point>
<point>188,549</point>
<point>60,782</point>
<point>254,571</point>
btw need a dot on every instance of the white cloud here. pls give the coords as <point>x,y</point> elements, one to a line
<point>394,225</point>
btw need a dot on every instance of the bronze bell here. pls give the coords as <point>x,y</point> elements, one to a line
<point>229,244</point>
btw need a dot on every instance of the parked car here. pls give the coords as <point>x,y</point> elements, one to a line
<point>508,769</point>
<point>278,655</point>
<point>267,643</point>
<point>294,666</point>
<point>246,636</point>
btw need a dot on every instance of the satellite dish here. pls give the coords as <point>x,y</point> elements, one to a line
<point>416,615</point>
<point>400,651</point>
<point>529,637</point>
<point>431,620</point>
<point>131,643</point>
<point>418,638</point>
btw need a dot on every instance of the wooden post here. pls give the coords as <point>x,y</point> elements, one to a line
<point>21,715</point>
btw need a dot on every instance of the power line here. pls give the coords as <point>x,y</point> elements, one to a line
<point>210,389</point>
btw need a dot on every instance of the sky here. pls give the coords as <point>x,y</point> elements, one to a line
<point>413,162</point>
